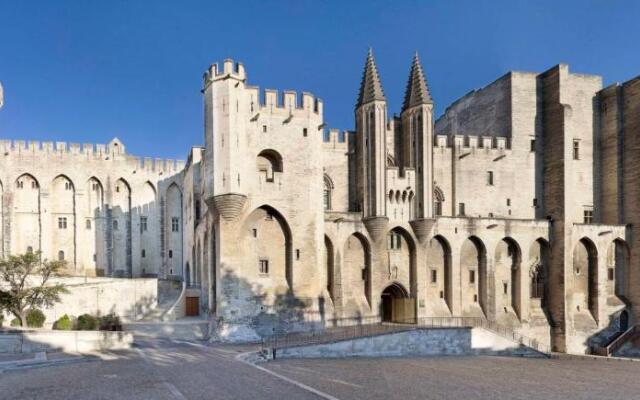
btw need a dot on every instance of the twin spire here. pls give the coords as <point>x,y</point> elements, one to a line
<point>417,91</point>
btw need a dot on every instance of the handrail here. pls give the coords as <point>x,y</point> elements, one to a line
<point>375,327</point>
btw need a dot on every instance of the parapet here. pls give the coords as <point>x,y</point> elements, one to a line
<point>336,139</point>
<point>229,70</point>
<point>114,151</point>
<point>499,143</point>
<point>288,102</point>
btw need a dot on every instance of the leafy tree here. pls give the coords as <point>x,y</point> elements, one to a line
<point>23,284</point>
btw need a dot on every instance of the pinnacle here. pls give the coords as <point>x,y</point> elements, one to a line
<point>370,87</point>
<point>417,91</point>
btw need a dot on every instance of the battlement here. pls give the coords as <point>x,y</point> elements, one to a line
<point>287,103</point>
<point>229,70</point>
<point>336,139</point>
<point>490,143</point>
<point>113,151</point>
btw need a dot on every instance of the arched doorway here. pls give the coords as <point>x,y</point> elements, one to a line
<point>624,320</point>
<point>396,306</point>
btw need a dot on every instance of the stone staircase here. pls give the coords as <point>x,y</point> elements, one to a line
<point>165,321</point>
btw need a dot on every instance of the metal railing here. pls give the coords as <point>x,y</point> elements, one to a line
<point>340,330</point>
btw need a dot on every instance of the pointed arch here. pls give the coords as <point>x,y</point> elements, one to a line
<point>618,256</point>
<point>328,191</point>
<point>269,235</point>
<point>585,271</point>
<point>62,208</point>
<point>539,270</point>
<point>329,259</point>
<point>173,228</point>
<point>473,261</point>
<point>439,263</point>
<point>438,200</point>
<point>403,258</point>
<point>356,267</point>
<point>120,263</point>
<point>26,224</point>
<point>508,269</point>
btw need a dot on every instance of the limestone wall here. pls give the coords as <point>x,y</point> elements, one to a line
<point>98,208</point>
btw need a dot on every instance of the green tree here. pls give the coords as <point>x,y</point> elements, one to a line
<point>24,284</point>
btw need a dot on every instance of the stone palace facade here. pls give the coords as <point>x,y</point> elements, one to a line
<point>518,205</point>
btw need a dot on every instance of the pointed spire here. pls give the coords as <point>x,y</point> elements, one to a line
<point>370,87</point>
<point>417,90</point>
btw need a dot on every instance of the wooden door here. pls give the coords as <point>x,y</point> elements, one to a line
<point>193,306</point>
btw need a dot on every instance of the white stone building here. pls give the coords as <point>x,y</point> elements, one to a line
<point>511,207</point>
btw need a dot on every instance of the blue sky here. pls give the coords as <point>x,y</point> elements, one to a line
<point>86,71</point>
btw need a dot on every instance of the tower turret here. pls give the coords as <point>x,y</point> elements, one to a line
<point>224,130</point>
<point>371,117</point>
<point>417,138</point>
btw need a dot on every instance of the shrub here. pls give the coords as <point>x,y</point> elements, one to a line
<point>110,322</point>
<point>63,323</point>
<point>87,322</point>
<point>15,322</point>
<point>35,318</point>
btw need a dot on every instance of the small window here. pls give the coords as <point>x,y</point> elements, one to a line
<point>508,202</point>
<point>170,253</point>
<point>475,298</point>
<point>143,253</point>
<point>576,149</point>
<point>442,294</point>
<point>490,178</point>
<point>117,188</point>
<point>395,241</point>
<point>297,254</point>
<point>490,215</point>
<point>87,224</point>
<point>535,202</point>
<point>115,224</point>
<point>264,128</point>
<point>95,257</point>
<point>143,224</point>
<point>255,232</point>
<point>461,210</point>
<point>304,132</point>
<point>610,274</point>
<point>33,185</point>
<point>434,276</point>
<point>61,255</point>
<point>62,223</point>
<point>533,145</point>
<point>263,266</point>
<point>175,224</point>
<point>472,276</point>
<point>197,202</point>
<point>505,288</point>
<point>588,216</point>
<point>29,250</point>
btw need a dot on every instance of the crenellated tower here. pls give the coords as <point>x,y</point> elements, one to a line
<point>224,130</point>
<point>371,117</point>
<point>416,147</point>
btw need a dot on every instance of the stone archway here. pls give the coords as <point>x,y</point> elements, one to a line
<point>396,305</point>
